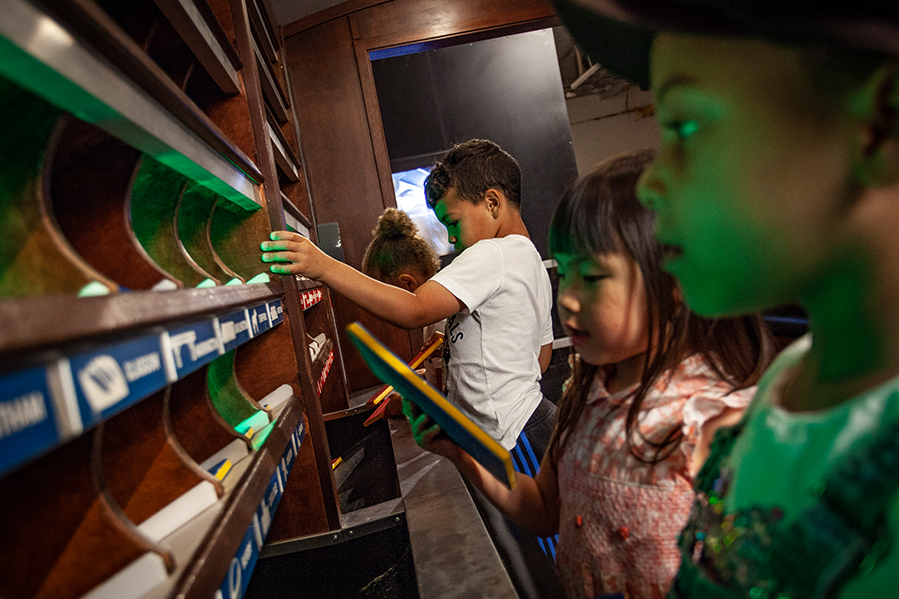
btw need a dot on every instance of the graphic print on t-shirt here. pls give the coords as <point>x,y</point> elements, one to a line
<point>450,336</point>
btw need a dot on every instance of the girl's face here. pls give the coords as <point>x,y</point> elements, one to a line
<point>750,185</point>
<point>602,306</point>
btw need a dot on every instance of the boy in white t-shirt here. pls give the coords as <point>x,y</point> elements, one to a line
<point>495,294</point>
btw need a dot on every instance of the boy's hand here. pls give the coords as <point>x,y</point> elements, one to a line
<point>294,255</point>
<point>429,435</point>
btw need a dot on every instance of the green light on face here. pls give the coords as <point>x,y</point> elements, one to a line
<point>687,128</point>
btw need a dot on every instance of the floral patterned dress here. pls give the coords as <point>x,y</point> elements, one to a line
<point>619,518</point>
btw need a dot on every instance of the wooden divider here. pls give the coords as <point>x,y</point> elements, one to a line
<point>267,363</point>
<point>61,535</point>
<point>35,259</point>
<point>154,197</point>
<point>194,421</point>
<point>228,397</point>
<point>235,235</point>
<point>143,468</point>
<point>192,219</point>
<point>89,176</point>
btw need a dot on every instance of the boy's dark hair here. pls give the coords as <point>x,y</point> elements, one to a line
<point>618,34</point>
<point>471,168</point>
<point>397,248</point>
<point>600,213</point>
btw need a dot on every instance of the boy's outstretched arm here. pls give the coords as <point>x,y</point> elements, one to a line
<point>291,253</point>
<point>534,502</point>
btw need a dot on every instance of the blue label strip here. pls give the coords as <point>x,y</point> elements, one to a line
<point>238,577</point>
<point>275,313</point>
<point>234,329</point>
<point>194,345</point>
<point>27,424</point>
<point>259,319</point>
<point>112,378</point>
<point>108,380</point>
<point>269,503</point>
<point>241,569</point>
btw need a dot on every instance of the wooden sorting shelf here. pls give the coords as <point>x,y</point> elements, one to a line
<point>156,387</point>
<point>131,466</point>
<point>69,393</point>
<point>153,116</point>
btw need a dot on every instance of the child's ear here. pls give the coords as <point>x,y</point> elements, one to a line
<point>877,162</point>
<point>407,282</point>
<point>495,201</point>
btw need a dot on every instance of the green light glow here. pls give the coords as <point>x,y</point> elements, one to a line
<point>257,422</point>
<point>225,392</point>
<point>260,437</point>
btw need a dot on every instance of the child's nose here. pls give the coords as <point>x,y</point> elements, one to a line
<point>567,300</point>
<point>650,188</point>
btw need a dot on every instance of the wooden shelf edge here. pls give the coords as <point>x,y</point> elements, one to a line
<point>268,14</point>
<point>87,19</point>
<point>304,284</point>
<point>203,34</point>
<point>209,565</point>
<point>276,128</point>
<point>289,206</point>
<point>64,318</point>
<point>262,33</point>
<point>271,87</point>
<point>283,154</point>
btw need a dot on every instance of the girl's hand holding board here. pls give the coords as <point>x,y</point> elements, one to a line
<point>429,435</point>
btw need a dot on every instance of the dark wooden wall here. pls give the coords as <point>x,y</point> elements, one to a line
<point>341,134</point>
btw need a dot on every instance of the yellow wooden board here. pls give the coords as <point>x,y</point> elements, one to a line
<point>388,367</point>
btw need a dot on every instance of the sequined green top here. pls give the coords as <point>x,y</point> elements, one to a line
<point>793,505</point>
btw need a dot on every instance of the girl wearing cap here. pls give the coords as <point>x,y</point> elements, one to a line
<point>778,183</point>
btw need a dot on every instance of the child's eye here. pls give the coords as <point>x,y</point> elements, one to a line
<point>683,130</point>
<point>594,278</point>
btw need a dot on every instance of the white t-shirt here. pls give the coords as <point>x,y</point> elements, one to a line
<point>492,347</point>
